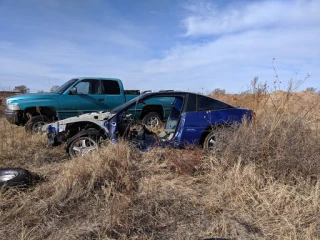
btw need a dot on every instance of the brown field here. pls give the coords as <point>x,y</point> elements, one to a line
<point>262,182</point>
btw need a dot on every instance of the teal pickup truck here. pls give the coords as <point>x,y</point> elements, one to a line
<point>80,96</point>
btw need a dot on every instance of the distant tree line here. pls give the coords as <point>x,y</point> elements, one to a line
<point>218,91</point>
<point>257,89</point>
<point>24,89</point>
<point>21,89</point>
<point>312,89</point>
<point>54,87</point>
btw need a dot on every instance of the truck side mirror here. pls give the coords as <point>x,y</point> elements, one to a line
<point>74,90</point>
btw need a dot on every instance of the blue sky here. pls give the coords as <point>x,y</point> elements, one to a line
<point>159,44</point>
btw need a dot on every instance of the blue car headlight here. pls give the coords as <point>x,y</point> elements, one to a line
<point>51,129</point>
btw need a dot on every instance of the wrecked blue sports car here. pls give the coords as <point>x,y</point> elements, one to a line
<point>193,119</point>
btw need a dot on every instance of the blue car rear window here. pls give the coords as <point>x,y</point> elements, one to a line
<point>207,103</point>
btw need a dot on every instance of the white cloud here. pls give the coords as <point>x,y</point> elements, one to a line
<point>243,42</point>
<point>211,20</point>
<point>254,47</point>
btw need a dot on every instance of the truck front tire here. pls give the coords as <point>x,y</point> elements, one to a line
<point>35,123</point>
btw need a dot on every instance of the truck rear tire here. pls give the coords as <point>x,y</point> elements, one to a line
<point>35,123</point>
<point>152,119</point>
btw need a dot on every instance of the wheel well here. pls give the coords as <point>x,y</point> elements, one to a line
<point>74,128</point>
<point>152,108</point>
<point>47,111</point>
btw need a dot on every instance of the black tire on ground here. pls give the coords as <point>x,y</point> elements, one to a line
<point>35,124</point>
<point>152,119</point>
<point>15,177</point>
<point>210,141</point>
<point>83,143</point>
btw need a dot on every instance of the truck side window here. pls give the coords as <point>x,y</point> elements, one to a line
<point>89,87</point>
<point>111,87</point>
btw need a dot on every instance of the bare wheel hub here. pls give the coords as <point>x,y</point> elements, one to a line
<point>83,146</point>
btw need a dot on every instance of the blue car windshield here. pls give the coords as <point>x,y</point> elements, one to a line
<point>65,86</point>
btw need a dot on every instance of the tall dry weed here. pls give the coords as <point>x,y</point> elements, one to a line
<point>283,139</point>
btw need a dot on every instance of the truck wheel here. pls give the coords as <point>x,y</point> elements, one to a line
<point>10,177</point>
<point>152,119</point>
<point>34,124</point>
<point>210,142</point>
<point>83,143</point>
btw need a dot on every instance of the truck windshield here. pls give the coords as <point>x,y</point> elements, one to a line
<point>65,86</point>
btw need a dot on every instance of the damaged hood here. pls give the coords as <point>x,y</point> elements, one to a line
<point>94,117</point>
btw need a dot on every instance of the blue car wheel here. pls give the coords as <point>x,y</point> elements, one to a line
<point>210,142</point>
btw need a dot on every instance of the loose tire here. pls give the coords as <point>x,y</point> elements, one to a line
<point>152,119</point>
<point>35,124</point>
<point>83,143</point>
<point>210,142</point>
<point>15,177</point>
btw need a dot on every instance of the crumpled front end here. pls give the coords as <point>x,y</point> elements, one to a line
<point>55,132</point>
<point>60,131</point>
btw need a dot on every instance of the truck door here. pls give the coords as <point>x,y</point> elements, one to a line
<point>88,98</point>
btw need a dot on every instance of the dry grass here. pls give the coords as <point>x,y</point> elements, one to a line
<point>262,182</point>
<point>2,108</point>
